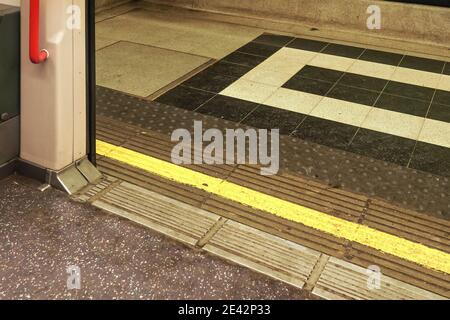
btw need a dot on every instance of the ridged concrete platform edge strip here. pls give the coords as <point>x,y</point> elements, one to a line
<point>175,219</point>
<point>263,252</point>
<point>341,280</point>
<point>278,258</point>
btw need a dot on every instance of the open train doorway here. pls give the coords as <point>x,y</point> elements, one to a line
<point>309,143</point>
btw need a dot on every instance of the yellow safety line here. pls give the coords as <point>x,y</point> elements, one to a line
<point>387,243</point>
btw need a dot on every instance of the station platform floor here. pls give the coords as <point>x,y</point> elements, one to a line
<point>387,105</point>
<point>364,150</point>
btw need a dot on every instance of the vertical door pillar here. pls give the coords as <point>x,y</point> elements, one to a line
<point>53,97</point>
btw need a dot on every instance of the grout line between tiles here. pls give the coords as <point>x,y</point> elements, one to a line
<point>179,81</point>
<point>168,49</point>
<point>421,130</point>
<point>109,45</point>
<point>211,232</point>
<point>316,272</point>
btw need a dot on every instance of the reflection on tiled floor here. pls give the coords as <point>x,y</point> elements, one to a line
<point>141,51</point>
<point>176,31</point>
<point>378,104</point>
<point>101,43</point>
<point>142,70</point>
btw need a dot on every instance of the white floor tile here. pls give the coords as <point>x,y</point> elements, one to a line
<point>293,100</point>
<point>281,64</point>
<point>249,90</point>
<point>303,56</point>
<point>372,69</point>
<point>341,111</point>
<point>395,123</point>
<point>416,77</point>
<point>271,77</point>
<point>436,132</point>
<point>444,83</point>
<point>332,62</point>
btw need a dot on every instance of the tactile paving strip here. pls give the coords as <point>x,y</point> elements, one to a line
<point>170,217</point>
<point>307,192</point>
<point>419,191</point>
<point>408,224</point>
<point>291,187</point>
<point>260,251</point>
<point>411,225</point>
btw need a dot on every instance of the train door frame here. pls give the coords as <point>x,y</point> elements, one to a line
<point>90,81</point>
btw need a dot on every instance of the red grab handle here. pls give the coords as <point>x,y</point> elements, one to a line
<point>37,55</point>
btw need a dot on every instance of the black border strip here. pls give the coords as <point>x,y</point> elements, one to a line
<point>90,82</point>
<point>438,3</point>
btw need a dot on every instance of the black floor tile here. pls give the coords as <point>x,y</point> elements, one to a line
<point>306,44</point>
<point>228,108</point>
<point>320,74</point>
<point>308,85</point>
<point>382,146</point>
<point>258,49</point>
<point>247,60</point>
<point>274,40</point>
<point>229,69</point>
<point>442,97</point>
<point>447,69</point>
<point>439,112</point>
<point>389,58</point>
<point>403,105</point>
<point>209,81</point>
<point>363,82</point>
<point>266,117</point>
<point>409,91</point>
<point>343,50</point>
<point>423,64</point>
<point>431,158</point>
<point>185,98</point>
<point>355,95</point>
<point>326,132</point>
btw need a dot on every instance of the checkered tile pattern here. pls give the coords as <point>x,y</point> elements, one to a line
<point>384,105</point>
